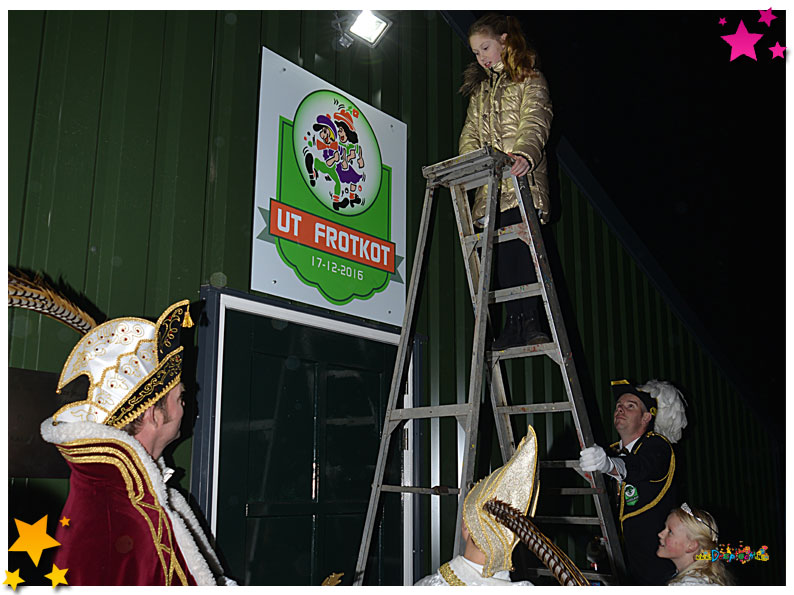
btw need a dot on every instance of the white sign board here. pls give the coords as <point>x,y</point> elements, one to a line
<point>329,205</point>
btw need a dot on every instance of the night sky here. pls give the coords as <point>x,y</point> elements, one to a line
<point>690,146</point>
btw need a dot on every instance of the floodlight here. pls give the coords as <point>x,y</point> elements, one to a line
<point>369,27</point>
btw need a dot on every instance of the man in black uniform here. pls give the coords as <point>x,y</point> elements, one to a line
<point>643,464</point>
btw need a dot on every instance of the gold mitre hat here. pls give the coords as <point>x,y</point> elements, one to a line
<point>130,362</point>
<point>514,483</point>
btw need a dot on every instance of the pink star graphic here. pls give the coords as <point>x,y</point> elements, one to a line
<point>723,21</point>
<point>777,50</point>
<point>767,17</point>
<point>742,42</point>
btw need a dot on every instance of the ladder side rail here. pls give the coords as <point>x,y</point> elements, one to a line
<point>478,351</point>
<point>397,383</point>
<point>568,369</point>
<point>504,427</point>
<point>554,313</point>
<point>460,206</point>
<point>608,526</point>
<point>471,262</point>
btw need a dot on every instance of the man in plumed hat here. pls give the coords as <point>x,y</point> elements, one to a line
<point>487,559</point>
<point>648,419</point>
<point>125,526</point>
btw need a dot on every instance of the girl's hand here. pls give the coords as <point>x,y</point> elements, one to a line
<point>520,165</point>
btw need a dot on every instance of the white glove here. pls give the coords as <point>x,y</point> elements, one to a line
<point>594,458</point>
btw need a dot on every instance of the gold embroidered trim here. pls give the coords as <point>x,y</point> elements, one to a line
<point>63,382</point>
<point>169,324</point>
<point>165,377</point>
<point>662,492</point>
<point>131,468</point>
<point>450,576</point>
<point>487,519</point>
<point>115,367</point>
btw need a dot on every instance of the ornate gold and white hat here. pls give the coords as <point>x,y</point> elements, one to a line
<point>130,362</point>
<point>514,483</point>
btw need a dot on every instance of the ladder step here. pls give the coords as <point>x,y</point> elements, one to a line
<point>567,520</point>
<point>549,349</point>
<point>504,234</point>
<point>536,408</point>
<point>514,293</point>
<point>425,412</point>
<point>569,464</point>
<point>573,491</point>
<point>473,168</point>
<point>591,576</point>
<point>435,491</point>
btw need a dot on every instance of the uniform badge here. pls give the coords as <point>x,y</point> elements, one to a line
<point>631,495</point>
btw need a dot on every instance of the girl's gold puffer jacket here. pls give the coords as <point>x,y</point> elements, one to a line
<point>514,118</point>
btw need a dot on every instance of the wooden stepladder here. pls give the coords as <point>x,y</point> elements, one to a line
<point>487,166</point>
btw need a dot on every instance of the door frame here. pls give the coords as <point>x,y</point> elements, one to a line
<point>209,376</point>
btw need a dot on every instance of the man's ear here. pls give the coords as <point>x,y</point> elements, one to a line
<point>148,416</point>
<point>646,418</point>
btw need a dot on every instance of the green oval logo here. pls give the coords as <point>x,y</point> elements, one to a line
<point>337,152</point>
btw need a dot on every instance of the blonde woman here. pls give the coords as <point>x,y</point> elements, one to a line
<point>688,532</point>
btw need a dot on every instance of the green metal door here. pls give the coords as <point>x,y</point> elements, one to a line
<point>300,426</point>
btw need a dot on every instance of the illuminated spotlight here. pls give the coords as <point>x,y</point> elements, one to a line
<point>370,27</point>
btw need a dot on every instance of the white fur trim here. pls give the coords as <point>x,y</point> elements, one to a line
<point>184,522</point>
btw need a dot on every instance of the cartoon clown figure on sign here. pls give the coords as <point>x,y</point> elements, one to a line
<point>338,152</point>
<point>350,155</point>
<point>325,142</point>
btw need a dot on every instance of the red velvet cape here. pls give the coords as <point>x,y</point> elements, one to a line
<point>118,532</point>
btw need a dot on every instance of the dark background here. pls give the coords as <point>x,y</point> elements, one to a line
<point>690,146</point>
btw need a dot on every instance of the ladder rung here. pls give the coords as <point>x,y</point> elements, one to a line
<point>435,491</point>
<point>569,464</point>
<point>573,491</point>
<point>424,412</point>
<point>536,408</point>
<point>568,520</point>
<point>523,351</point>
<point>607,578</point>
<point>504,234</point>
<point>514,293</point>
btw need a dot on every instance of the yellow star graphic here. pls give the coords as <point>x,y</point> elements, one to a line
<point>13,579</point>
<point>33,539</point>
<point>57,576</point>
<point>64,522</point>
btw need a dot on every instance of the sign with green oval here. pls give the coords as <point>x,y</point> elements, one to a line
<point>329,216</point>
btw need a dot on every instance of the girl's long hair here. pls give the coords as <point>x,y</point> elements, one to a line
<point>704,531</point>
<point>519,58</point>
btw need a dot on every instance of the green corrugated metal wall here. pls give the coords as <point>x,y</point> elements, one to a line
<point>131,170</point>
<point>627,329</point>
<point>132,143</point>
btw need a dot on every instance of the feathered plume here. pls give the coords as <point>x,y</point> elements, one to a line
<point>560,565</point>
<point>670,414</point>
<point>36,294</point>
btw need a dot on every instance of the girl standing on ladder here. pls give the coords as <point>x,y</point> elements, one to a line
<point>510,110</point>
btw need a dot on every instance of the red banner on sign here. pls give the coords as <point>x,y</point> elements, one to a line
<point>329,237</point>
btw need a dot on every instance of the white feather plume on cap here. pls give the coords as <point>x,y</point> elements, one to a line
<point>670,415</point>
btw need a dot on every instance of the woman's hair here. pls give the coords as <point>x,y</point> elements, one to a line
<point>519,58</point>
<point>352,136</point>
<point>701,527</point>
